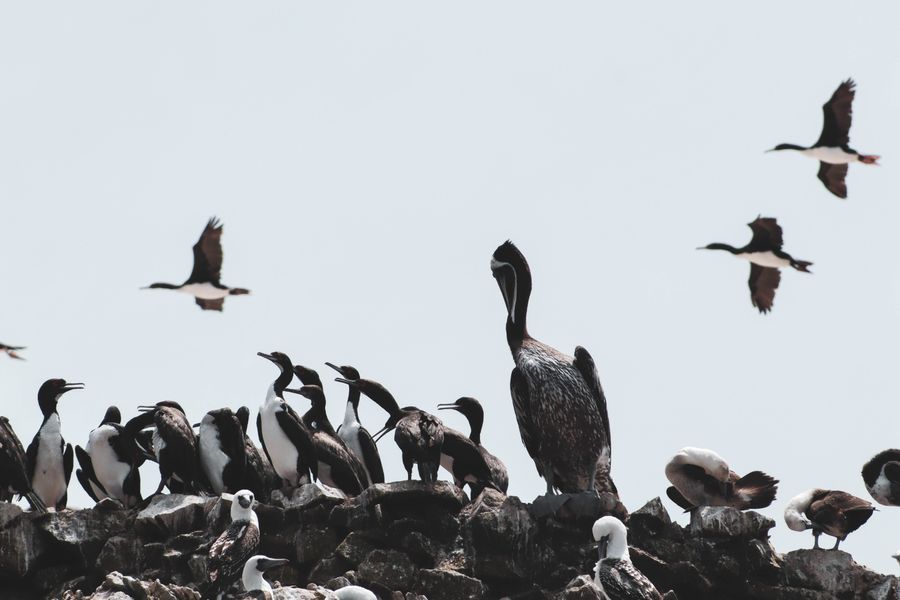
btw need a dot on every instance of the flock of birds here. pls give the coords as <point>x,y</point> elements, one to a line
<point>558,401</point>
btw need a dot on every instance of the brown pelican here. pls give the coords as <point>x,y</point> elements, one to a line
<point>559,403</point>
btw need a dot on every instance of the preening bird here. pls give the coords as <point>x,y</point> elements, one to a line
<point>49,457</point>
<point>827,511</point>
<point>11,351</point>
<point>766,258</point>
<point>174,446</point>
<point>832,149</point>
<point>882,477</point>
<point>418,434</point>
<point>110,462</point>
<point>700,477</point>
<point>204,282</point>
<point>559,403</point>
<point>14,479</point>
<point>614,573</point>
<point>472,410</point>
<point>357,437</point>
<point>231,550</point>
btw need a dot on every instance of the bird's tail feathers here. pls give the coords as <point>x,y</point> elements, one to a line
<point>756,489</point>
<point>802,265</point>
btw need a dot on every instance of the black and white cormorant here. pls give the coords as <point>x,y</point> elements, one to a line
<point>558,400</point>
<point>11,351</point>
<point>337,466</point>
<point>232,549</point>
<point>286,441</point>
<point>614,572</point>
<point>204,284</point>
<point>832,149</point>
<point>110,462</point>
<point>357,437</point>
<point>222,452</point>
<point>766,258</point>
<point>700,477</point>
<point>474,413</point>
<point>882,477</point>
<point>259,476</point>
<point>14,479</point>
<point>418,434</point>
<point>252,574</point>
<point>174,446</point>
<point>827,511</point>
<point>49,457</point>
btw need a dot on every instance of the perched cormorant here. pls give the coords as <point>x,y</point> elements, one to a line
<point>109,464</point>
<point>233,547</point>
<point>827,511</point>
<point>286,441</point>
<point>882,477</point>
<point>766,258</point>
<point>204,284</point>
<point>252,575</point>
<point>259,476</point>
<point>174,445</point>
<point>419,435</point>
<point>223,456</point>
<point>559,403</point>
<point>701,477</point>
<point>474,414</point>
<point>614,573</point>
<point>49,457</point>
<point>11,350</point>
<point>337,466</point>
<point>14,478</point>
<point>832,149</point>
<point>357,437</point>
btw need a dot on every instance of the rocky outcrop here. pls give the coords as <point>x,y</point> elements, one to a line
<point>410,540</point>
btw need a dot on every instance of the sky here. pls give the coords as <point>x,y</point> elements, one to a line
<point>366,160</point>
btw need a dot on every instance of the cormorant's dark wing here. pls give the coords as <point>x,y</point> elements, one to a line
<point>521,397</point>
<point>763,283</point>
<point>293,427</point>
<point>346,469</point>
<point>838,113</point>
<point>371,457</point>
<point>86,475</point>
<point>208,254</point>
<point>676,497</point>
<point>183,444</point>
<point>467,459</point>
<point>585,365</point>
<point>834,178</point>
<point>767,235</point>
<point>215,304</point>
<point>622,581</point>
<point>68,462</point>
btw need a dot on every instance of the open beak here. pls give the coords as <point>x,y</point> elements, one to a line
<point>381,433</point>
<point>73,386</point>
<point>448,406</point>
<point>146,408</point>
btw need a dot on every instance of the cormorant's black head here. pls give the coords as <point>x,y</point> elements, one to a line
<point>279,358</point>
<point>307,376</point>
<point>51,391</point>
<point>786,147</point>
<point>243,416</point>
<point>346,371</point>
<point>466,405</point>
<point>112,416</point>
<point>313,393</point>
<point>513,275</point>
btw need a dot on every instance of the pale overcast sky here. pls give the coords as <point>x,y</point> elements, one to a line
<point>367,158</point>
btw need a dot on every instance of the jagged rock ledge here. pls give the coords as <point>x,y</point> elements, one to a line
<point>407,539</point>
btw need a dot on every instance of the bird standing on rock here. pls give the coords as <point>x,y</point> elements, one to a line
<point>357,437</point>
<point>700,477</point>
<point>231,550</point>
<point>614,572</point>
<point>827,511</point>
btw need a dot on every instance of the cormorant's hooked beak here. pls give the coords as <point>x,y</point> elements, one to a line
<point>72,386</point>
<point>145,408</point>
<point>350,382</point>
<point>264,564</point>
<point>334,366</point>
<point>448,406</point>
<point>267,356</point>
